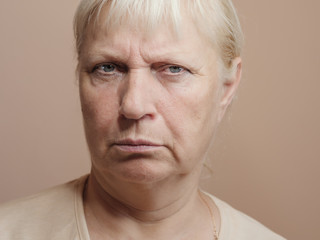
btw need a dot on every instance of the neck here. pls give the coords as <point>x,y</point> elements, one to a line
<point>142,202</point>
<point>167,211</point>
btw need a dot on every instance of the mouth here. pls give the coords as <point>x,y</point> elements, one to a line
<point>136,146</point>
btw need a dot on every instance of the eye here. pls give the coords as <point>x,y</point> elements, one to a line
<point>171,72</point>
<point>175,69</point>
<point>108,71</point>
<point>107,68</point>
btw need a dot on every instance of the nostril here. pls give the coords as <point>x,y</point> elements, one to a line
<point>136,99</point>
<point>131,111</point>
<point>136,110</point>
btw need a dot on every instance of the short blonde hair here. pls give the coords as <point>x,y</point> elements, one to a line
<point>216,19</point>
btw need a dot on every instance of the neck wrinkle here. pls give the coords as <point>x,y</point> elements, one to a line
<point>95,195</point>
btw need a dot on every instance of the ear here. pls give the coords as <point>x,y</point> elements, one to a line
<point>230,86</point>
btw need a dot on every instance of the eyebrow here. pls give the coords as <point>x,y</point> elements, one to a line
<point>110,54</point>
<point>169,56</point>
<point>113,54</point>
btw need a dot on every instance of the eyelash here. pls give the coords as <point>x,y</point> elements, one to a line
<point>166,68</point>
<point>116,66</point>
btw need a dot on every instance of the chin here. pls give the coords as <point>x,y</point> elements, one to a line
<point>142,171</point>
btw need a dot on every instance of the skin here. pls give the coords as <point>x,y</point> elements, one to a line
<point>151,105</point>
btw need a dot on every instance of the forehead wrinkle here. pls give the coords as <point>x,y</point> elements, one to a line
<point>156,51</point>
<point>108,54</point>
<point>111,47</point>
<point>166,45</point>
<point>172,51</point>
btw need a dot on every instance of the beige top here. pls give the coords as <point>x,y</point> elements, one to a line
<point>57,214</point>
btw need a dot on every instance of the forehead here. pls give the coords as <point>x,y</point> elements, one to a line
<point>130,38</point>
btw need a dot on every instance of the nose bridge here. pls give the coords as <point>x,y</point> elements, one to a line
<point>136,99</point>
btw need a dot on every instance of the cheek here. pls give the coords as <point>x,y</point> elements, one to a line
<point>194,111</point>
<point>191,117</point>
<point>99,109</point>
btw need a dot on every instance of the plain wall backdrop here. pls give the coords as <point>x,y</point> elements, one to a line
<point>267,157</point>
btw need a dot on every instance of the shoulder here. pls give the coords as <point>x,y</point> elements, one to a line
<point>237,225</point>
<point>39,215</point>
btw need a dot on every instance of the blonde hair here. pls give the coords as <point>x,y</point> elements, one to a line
<point>216,19</point>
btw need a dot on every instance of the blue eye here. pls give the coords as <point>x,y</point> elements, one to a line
<point>175,69</point>
<point>107,67</point>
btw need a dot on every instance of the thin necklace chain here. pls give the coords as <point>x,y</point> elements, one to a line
<point>215,232</point>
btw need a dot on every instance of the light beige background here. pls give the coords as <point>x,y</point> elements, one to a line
<point>267,154</point>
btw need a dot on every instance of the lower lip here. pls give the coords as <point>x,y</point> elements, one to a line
<point>136,148</point>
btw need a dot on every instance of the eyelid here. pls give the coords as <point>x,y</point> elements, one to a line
<point>163,66</point>
<point>118,66</point>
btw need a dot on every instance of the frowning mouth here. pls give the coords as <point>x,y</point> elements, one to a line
<point>136,146</point>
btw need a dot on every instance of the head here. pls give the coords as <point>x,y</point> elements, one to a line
<point>155,78</point>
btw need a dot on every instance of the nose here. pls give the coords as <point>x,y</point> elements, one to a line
<point>137,98</point>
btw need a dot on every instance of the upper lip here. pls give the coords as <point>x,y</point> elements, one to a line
<point>136,142</point>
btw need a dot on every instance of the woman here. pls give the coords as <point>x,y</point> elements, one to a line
<point>155,79</point>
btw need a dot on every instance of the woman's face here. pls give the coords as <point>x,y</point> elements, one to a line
<point>150,103</point>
